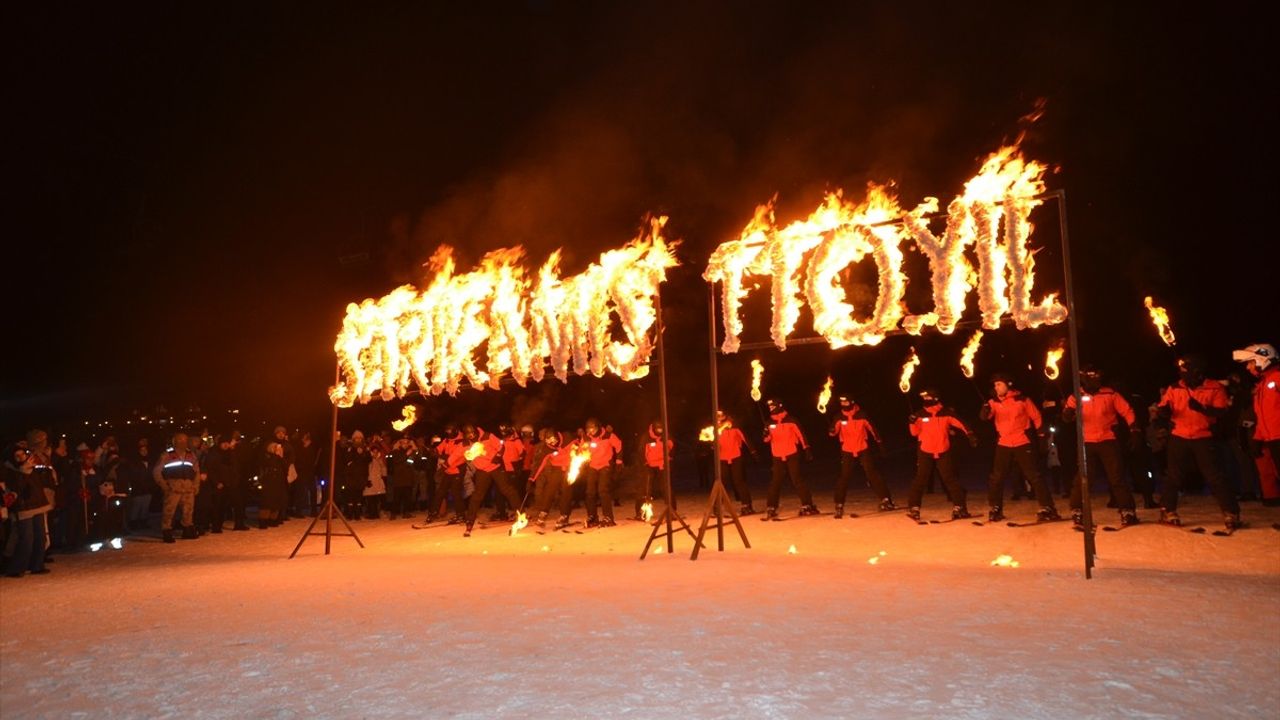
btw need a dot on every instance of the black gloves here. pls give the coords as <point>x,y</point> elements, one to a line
<point>973,440</point>
<point>808,454</point>
<point>985,412</point>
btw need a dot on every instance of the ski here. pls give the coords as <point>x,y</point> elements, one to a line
<point>1037,522</point>
<point>1194,530</point>
<point>1228,532</point>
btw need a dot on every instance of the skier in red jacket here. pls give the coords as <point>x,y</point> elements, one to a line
<point>1017,419</point>
<point>732,462</point>
<point>856,433</point>
<point>785,443</point>
<point>932,428</point>
<point>1101,409</point>
<point>1192,406</point>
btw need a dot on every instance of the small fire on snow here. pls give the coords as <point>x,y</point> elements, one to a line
<point>657,550</point>
<point>647,511</point>
<point>875,559</point>
<point>1004,561</point>
<point>791,550</point>
<point>521,522</point>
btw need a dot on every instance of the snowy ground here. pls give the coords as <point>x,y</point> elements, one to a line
<point>424,623</point>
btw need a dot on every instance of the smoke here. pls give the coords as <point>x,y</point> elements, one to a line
<point>701,126</point>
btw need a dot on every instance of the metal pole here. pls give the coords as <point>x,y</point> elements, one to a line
<point>715,380</point>
<point>333,464</point>
<point>1086,507</point>
<point>662,409</point>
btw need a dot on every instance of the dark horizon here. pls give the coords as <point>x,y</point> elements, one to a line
<point>202,191</point>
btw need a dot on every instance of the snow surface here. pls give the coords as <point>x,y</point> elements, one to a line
<point>425,623</point>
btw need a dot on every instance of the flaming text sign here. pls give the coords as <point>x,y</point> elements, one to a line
<point>434,338</point>
<point>804,260</point>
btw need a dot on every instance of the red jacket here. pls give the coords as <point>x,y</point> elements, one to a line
<point>731,443</point>
<point>559,458</point>
<point>603,450</point>
<point>1099,413</point>
<point>934,432</point>
<point>653,453</point>
<point>512,453</point>
<point>452,452</point>
<point>784,437</point>
<point>1014,415</point>
<point>1266,405</point>
<point>853,430</point>
<point>1187,423</point>
<point>489,457</point>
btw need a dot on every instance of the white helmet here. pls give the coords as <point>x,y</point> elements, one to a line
<point>1260,354</point>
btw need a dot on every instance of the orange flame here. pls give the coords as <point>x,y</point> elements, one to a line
<point>521,522</point>
<point>991,215</point>
<point>1051,359</point>
<point>1160,318</point>
<point>707,434</point>
<point>1004,561</point>
<point>908,369</point>
<point>433,338</point>
<point>408,415</point>
<point>824,397</point>
<point>578,457</point>
<point>473,452</point>
<point>757,374</point>
<point>646,510</point>
<point>969,353</point>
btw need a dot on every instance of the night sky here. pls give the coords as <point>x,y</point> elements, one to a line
<point>197,190</point>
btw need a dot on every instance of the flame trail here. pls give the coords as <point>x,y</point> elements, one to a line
<point>1160,318</point>
<point>969,353</point>
<point>408,415</point>
<point>757,374</point>
<point>824,397</point>
<point>908,369</point>
<point>578,457</point>
<point>1051,359</point>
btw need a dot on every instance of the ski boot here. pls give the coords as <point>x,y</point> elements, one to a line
<point>809,510</point>
<point>541,520</point>
<point>960,512</point>
<point>995,514</point>
<point>1077,520</point>
<point>769,514</point>
<point>168,536</point>
<point>887,505</point>
<point>562,523</point>
<point>913,512</point>
<point>467,532</point>
<point>189,533</point>
<point>839,511</point>
<point>1128,517</point>
<point>608,523</point>
<point>1149,502</point>
<point>746,510</point>
<point>1232,521</point>
<point>1169,517</point>
<point>455,519</point>
<point>1047,514</point>
<point>593,521</point>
